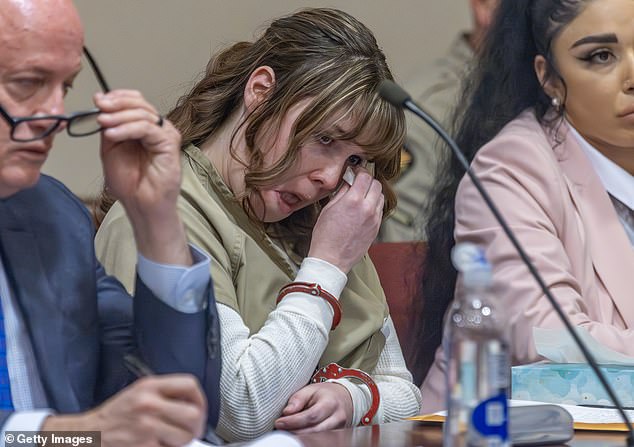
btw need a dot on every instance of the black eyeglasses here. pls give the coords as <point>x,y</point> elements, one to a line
<point>78,124</point>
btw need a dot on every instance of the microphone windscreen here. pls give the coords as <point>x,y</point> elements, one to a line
<point>392,93</point>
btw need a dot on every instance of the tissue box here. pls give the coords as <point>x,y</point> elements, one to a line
<point>571,383</point>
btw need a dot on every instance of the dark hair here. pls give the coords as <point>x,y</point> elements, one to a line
<point>318,53</point>
<point>500,86</point>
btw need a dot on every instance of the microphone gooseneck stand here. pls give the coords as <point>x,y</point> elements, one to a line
<point>398,97</point>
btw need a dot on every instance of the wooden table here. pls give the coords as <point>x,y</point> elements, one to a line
<point>411,434</point>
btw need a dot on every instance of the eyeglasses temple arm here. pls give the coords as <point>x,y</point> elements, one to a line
<point>97,71</point>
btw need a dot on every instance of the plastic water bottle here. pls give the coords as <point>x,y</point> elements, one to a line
<point>476,349</point>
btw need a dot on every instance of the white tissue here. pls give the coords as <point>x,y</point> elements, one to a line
<point>558,346</point>
<point>349,176</point>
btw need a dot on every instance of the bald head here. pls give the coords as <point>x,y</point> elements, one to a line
<point>40,54</point>
<point>46,19</point>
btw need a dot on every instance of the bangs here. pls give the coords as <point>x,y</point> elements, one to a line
<point>370,122</point>
<point>379,127</point>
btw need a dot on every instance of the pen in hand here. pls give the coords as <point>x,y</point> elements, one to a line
<point>138,367</point>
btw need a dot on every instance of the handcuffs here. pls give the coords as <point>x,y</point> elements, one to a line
<point>334,371</point>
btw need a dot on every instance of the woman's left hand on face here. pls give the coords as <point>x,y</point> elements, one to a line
<point>317,407</point>
<point>141,160</point>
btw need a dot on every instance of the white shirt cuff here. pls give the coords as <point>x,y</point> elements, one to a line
<point>361,398</point>
<point>328,276</point>
<point>182,288</point>
<point>25,421</point>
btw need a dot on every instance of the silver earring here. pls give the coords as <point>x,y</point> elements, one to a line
<point>556,103</point>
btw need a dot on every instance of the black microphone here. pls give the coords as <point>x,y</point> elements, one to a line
<point>398,97</point>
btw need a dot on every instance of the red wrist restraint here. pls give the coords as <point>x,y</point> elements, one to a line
<point>334,371</point>
<point>315,290</point>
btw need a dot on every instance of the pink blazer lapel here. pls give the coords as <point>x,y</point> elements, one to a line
<point>610,249</point>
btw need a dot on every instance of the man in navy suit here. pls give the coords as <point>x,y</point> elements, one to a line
<point>65,325</point>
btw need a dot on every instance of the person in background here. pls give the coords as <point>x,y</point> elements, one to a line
<point>437,89</point>
<point>548,126</point>
<point>65,325</point>
<point>268,133</point>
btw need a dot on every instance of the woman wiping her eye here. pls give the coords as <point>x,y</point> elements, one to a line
<point>267,136</point>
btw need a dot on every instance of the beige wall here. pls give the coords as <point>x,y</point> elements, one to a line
<point>161,46</point>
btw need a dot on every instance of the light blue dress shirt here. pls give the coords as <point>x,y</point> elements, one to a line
<point>182,288</point>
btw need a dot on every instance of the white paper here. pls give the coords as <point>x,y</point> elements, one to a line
<point>558,346</point>
<point>590,415</point>
<point>277,439</point>
<point>587,415</point>
<point>198,443</point>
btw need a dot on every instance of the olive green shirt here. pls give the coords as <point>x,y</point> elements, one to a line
<point>248,268</point>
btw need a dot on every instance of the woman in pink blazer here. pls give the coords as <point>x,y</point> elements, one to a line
<point>549,127</point>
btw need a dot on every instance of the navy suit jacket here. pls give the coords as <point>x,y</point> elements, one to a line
<point>82,321</point>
